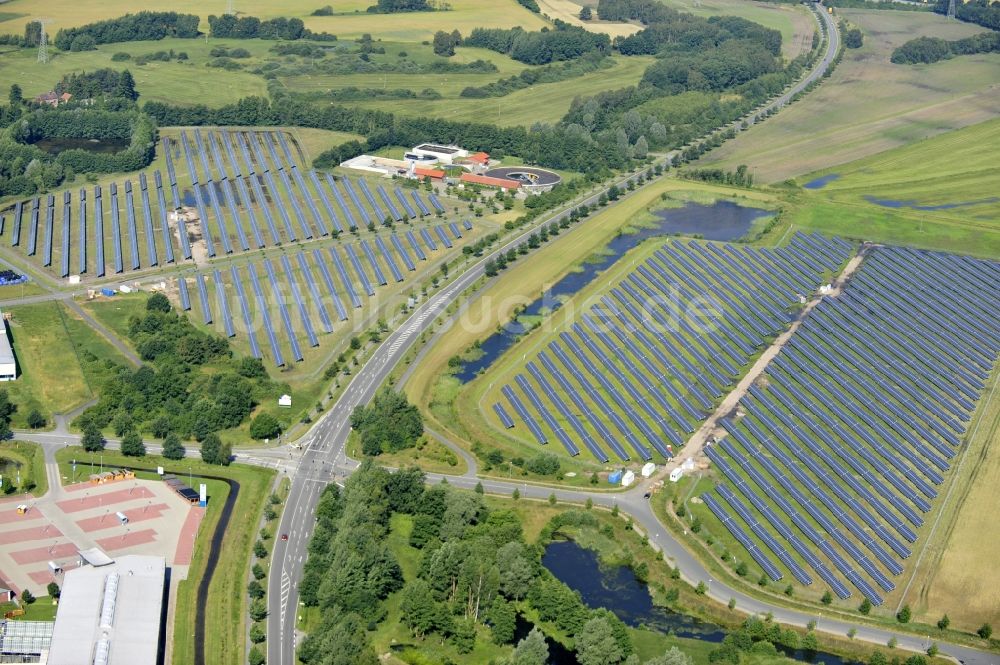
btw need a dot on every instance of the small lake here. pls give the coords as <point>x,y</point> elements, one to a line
<point>722,220</point>
<point>822,181</point>
<point>616,589</point>
<point>104,146</point>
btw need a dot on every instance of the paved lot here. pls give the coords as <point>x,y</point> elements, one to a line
<point>83,515</point>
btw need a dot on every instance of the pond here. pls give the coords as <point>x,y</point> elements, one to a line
<point>722,220</point>
<point>822,181</point>
<point>617,589</point>
<point>104,146</point>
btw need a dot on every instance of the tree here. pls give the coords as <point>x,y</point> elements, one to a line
<point>172,448</point>
<point>865,607</point>
<point>259,549</point>
<point>641,148</point>
<point>256,656</point>
<point>596,644</point>
<point>586,14</point>
<point>258,572</point>
<point>827,598</point>
<point>264,426</point>
<point>516,494</point>
<point>35,419</point>
<point>27,597</point>
<point>809,642</point>
<point>257,633</point>
<point>478,489</point>
<point>701,588</point>
<point>388,424</point>
<point>985,631</point>
<point>53,590</point>
<point>258,609</point>
<point>673,656</point>
<point>161,427</point>
<point>132,445</point>
<point>932,650</point>
<point>532,650</point>
<point>444,43</point>
<point>944,622</point>
<point>421,613</point>
<point>15,96</point>
<point>741,569</point>
<point>158,302</point>
<point>516,571</point>
<point>878,658</point>
<point>93,440</point>
<point>904,615</point>
<point>255,590</point>
<point>126,89</point>
<point>503,621</point>
<point>211,449</point>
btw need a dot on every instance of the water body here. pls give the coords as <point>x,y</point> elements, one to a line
<point>822,181</point>
<point>616,589</point>
<point>894,203</point>
<point>104,146</point>
<point>558,654</point>
<point>722,220</point>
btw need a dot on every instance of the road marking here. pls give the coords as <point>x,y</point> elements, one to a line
<point>286,587</point>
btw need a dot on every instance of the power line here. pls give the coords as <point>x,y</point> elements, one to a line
<point>43,41</point>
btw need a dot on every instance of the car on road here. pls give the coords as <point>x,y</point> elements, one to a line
<point>284,536</point>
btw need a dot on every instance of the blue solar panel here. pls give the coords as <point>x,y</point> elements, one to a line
<point>206,308</point>
<point>265,207</point>
<point>378,214</point>
<point>245,310</point>
<point>272,188</point>
<point>515,402</point>
<point>443,237</point>
<point>262,307</point>
<point>428,240</point>
<point>82,252</point>
<point>220,295</point>
<point>357,202</point>
<point>50,212</point>
<point>453,227</point>
<point>397,275</point>
<point>502,415</point>
<point>299,302</point>
<point>67,208</point>
<point>33,228</point>
<point>415,246</point>
<point>567,415</point>
<point>435,202</point>
<point>226,185</point>
<point>164,220</point>
<point>403,202</point>
<point>133,235</point>
<point>286,319</point>
<point>314,293</point>
<point>424,210</point>
<point>182,288</point>
<point>342,271</point>
<point>379,277</point>
<point>393,210</point>
<point>147,214</point>
<point>332,184</point>
<point>398,244</point>
<point>99,229</point>
<point>467,225</point>
<point>116,229</point>
<point>210,184</point>
<point>283,175</point>
<point>328,281</point>
<point>727,521</point>
<point>327,206</point>
<point>15,238</point>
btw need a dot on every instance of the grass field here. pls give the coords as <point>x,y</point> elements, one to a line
<point>226,618</point>
<point>189,82</point>
<point>569,11</point>
<point>350,20</point>
<point>869,105</point>
<point>26,459</point>
<point>794,22</point>
<point>546,102</point>
<point>60,360</point>
<point>957,168</point>
<point>462,410</point>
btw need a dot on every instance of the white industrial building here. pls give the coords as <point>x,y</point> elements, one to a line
<point>429,153</point>
<point>110,614</point>
<point>8,365</point>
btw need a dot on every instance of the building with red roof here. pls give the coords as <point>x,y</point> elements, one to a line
<point>503,183</point>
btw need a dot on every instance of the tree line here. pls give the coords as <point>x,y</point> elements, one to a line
<point>142,26</point>
<point>981,12</point>
<point>565,42</point>
<point>251,27</point>
<point>925,50</point>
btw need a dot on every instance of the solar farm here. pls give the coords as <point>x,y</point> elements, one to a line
<point>640,370</point>
<point>828,469</point>
<point>221,193</point>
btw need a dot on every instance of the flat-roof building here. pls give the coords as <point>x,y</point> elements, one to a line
<point>111,614</point>
<point>8,365</point>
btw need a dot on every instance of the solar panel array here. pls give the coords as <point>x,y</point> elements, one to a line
<point>862,414</point>
<point>291,296</point>
<point>640,370</point>
<point>243,190</point>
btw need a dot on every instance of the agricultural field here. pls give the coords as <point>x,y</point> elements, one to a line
<point>869,105</point>
<point>350,19</point>
<point>543,102</point>
<point>569,12</point>
<point>936,193</point>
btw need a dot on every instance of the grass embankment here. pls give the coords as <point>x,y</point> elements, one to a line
<point>955,172</point>
<point>869,105</point>
<point>465,411</point>
<point>226,612</point>
<point>61,360</point>
<point>28,460</point>
<point>429,454</point>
